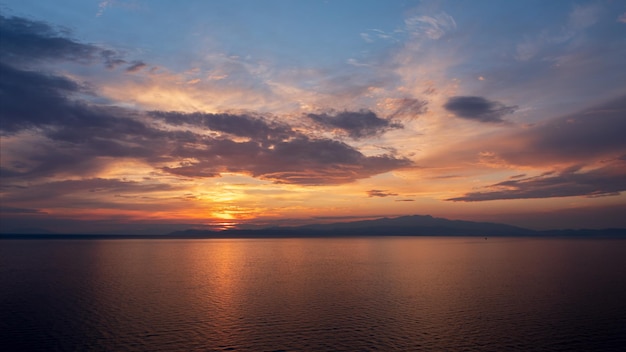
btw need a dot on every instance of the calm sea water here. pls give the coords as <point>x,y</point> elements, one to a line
<point>356,294</point>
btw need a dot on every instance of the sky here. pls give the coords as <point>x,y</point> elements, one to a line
<point>148,117</point>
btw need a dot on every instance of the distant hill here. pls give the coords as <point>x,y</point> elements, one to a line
<point>424,225</point>
<point>415,225</point>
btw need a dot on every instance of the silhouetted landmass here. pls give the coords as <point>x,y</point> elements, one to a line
<point>416,225</point>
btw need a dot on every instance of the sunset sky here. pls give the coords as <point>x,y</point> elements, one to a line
<point>154,116</point>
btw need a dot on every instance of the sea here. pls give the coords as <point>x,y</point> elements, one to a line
<point>313,294</point>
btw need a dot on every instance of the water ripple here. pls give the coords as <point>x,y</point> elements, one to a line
<point>374,294</point>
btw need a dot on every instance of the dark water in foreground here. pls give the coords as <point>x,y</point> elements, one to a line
<point>369,294</point>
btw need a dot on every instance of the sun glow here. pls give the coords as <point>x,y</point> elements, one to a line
<point>200,125</point>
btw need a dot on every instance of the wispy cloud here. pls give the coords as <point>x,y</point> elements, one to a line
<point>580,18</point>
<point>102,6</point>
<point>372,35</point>
<point>584,16</point>
<point>136,66</point>
<point>380,193</point>
<point>434,27</point>
<point>406,107</point>
<point>608,180</point>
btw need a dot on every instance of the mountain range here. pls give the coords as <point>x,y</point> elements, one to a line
<point>414,225</point>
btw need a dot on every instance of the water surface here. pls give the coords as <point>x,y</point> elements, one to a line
<point>367,294</point>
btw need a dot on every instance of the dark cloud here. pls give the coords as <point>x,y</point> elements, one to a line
<point>77,138</point>
<point>111,59</point>
<point>27,40</point>
<point>76,133</point>
<point>31,98</point>
<point>136,66</point>
<point>357,124</point>
<point>604,181</point>
<point>478,108</point>
<point>241,125</point>
<point>323,161</point>
<point>297,161</point>
<point>81,139</point>
<point>380,193</point>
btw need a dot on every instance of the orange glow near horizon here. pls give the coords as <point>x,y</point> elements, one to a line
<point>254,127</point>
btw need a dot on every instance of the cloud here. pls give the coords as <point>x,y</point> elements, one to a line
<point>102,6</point>
<point>357,124</point>
<point>32,98</point>
<point>434,27</point>
<point>604,181</point>
<point>136,66</point>
<point>111,58</point>
<point>242,125</point>
<point>585,16</point>
<point>77,138</point>
<point>373,34</point>
<point>478,108</point>
<point>622,18</point>
<point>367,37</point>
<point>355,62</point>
<point>589,134</point>
<point>55,190</point>
<point>26,40</point>
<point>297,161</point>
<point>13,210</point>
<point>580,18</point>
<point>380,193</point>
<point>408,107</point>
<point>73,133</point>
